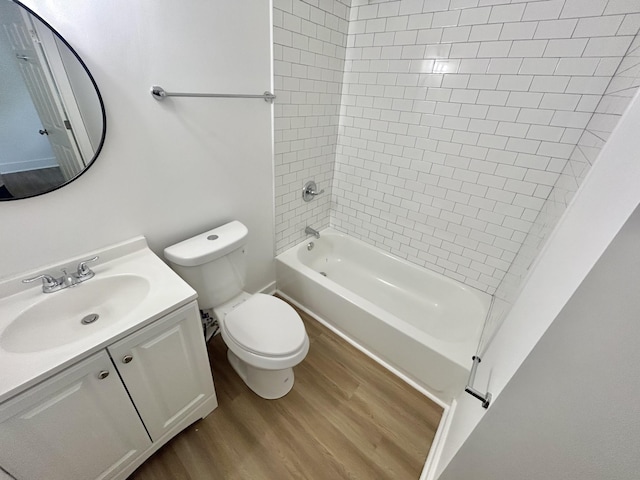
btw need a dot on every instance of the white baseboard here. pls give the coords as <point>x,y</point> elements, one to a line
<point>269,289</point>
<point>435,452</point>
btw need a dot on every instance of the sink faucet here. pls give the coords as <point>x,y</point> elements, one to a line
<point>51,284</point>
<point>68,280</point>
<point>312,231</point>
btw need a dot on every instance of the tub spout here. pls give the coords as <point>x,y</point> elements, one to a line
<point>311,231</point>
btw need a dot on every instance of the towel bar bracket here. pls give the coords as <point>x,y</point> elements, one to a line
<point>484,398</point>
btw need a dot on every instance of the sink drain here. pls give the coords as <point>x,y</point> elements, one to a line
<point>89,319</point>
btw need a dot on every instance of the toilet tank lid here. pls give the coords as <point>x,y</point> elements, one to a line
<point>207,246</point>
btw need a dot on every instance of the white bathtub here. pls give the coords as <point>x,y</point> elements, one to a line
<point>421,323</point>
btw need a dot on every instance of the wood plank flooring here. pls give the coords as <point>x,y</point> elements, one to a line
<point>346,418</point>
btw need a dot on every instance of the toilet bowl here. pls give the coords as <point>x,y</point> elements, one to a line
<point>264,335</point>
<point>265,338</point>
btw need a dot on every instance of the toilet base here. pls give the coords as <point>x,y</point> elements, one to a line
<point>269,384</point>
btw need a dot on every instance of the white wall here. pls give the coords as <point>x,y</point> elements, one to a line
<point>604,202</point>
<point>168,170</point>
<point>571,411</point>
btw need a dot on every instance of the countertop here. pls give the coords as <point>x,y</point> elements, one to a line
<point>167,292</point>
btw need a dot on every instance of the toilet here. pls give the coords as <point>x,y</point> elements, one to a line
<point>264,335</point>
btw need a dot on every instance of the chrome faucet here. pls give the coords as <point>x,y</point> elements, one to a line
<point>51,284</point>
<point>312,231</point>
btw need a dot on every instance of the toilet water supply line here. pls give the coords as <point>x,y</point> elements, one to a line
<point>210,325</point>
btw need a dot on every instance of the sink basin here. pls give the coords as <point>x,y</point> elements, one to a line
<point>57,319</point>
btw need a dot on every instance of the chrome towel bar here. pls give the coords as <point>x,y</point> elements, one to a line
<point>486,398</point>
<point>160,93</point>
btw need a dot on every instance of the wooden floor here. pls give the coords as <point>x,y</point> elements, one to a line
<point>32,182</point>
<point>346,418</point>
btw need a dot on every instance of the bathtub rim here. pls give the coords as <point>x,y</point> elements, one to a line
<point>450,350</point>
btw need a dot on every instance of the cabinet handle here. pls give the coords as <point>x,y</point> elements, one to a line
<point>127,358</point>
<point>103,374</point>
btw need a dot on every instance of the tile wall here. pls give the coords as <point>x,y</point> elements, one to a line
<point>613,104</point>
<point>439,128</point>
<point>459,116</point>
<point>310,40</point>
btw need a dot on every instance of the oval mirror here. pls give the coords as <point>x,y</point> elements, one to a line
<point>52,119</point>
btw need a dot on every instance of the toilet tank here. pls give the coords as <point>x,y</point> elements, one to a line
<point>213,263</point>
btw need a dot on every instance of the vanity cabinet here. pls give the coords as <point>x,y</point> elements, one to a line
<point>103,416</point>
<point>79,424</point>
<point>162,367</point>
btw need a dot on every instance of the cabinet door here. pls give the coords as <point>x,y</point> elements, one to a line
<point>80,424</point>
<point>165,368</point>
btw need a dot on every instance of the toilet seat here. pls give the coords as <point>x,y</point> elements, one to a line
<point>266,326</point>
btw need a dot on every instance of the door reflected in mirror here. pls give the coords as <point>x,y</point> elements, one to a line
<point>52,119</point>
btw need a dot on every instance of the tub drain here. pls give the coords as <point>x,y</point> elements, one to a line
<point>324,274</point>
<point>89,319</point>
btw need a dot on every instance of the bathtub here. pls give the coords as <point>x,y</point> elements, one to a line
<point>420,323</point>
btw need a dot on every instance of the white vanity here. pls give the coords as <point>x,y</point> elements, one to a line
<point>94,400</point>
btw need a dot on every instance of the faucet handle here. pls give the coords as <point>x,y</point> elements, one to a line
<point>83,270</point>
<point>309,191</point>
<point>48,282</point>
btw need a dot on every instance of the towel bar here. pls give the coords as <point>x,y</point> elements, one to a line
<point>486,398</point>
<point>160,93</point>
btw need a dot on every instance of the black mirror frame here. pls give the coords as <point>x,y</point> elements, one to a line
<point>98,94</point>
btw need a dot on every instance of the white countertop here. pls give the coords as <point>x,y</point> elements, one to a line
<point>20,371</point>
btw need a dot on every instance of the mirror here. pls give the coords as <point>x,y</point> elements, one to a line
<point>52,119</point>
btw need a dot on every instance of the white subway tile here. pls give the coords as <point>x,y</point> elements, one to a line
<point>538,66</point>
<point>607,46</point>
<point>484,82</point>
<point>566,48</point>
<point>408,7</point>
<point>506,13</point>
<point>524,99</point>
<point>582,8</point>
<point>630,24</point>
<point>556,28</point>
<point>622,6</point>
<point>588,85</point>
<point>418,21</point>
<point>515,82</point>
<point>456,34</point>
<point>510,129</point>
<point>483,33</point>
<point>598,26</point>
<point>560,101</point>
<point>465,50</point>
<point>528,48</point>
<point>474,16</point>
<point>543,10</point>
<point>518,30</point>
<point>549,84</point>
<point>503,114</point>
<point>495,49</point>
<point>504,65</point>
<point>473,65</point>
<point>577,66</point>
